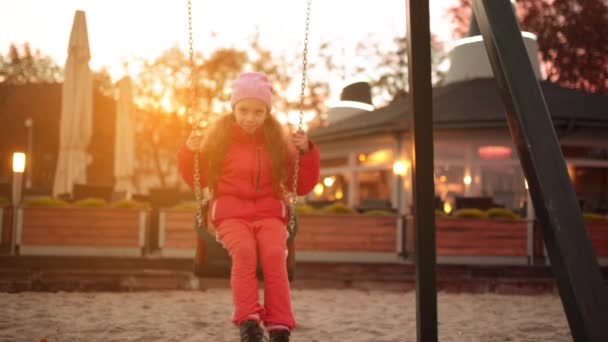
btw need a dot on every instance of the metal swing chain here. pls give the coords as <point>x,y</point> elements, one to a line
<point>294,196</point>
<point>195,122</point>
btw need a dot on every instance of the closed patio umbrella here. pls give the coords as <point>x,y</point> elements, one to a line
<point>76,111</point>
<point>124,147</point>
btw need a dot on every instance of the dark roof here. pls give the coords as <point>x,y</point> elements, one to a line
<point>472,104</point>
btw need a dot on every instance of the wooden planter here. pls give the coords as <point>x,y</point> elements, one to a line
<point>176,235</point>
<point>6,229</point>
<point>346,237</point>
<point>483,241</point>
<point>598,232</point>
<point>81,231</point>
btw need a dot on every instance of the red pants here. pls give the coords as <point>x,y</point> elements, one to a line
<point>245,242</point>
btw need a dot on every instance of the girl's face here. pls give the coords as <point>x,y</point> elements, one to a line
<point>250,114</point>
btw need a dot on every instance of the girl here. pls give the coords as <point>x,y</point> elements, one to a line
<point>247,163</point>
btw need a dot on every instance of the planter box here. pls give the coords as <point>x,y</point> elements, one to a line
<point>81,231</point>
<point>598,233</point>
<point>6,229</point>
<point>478,241</point>
<point>176,235</point>
<point>349,238</point>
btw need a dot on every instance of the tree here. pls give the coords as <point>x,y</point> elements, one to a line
<point>571,38</point>
<point>389,67</point>
<point>22,66</point>
<point>163,95</point>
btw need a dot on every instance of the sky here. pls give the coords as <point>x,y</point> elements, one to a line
<point>120,30</point>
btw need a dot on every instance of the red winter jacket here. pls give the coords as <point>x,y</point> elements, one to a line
<point>245,189</point>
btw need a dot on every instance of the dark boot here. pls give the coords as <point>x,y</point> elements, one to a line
<point>251,332</point>
<point>279,336</point>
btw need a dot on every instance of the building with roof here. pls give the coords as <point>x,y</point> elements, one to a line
<point>366,153</point>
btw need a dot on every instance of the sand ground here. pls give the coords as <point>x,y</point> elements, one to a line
<point>323,315</point>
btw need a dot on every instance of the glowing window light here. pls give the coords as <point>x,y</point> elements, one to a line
<point>447,207</point>
<point>329,181</point>
<point>318,190</point>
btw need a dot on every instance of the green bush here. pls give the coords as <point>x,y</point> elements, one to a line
<point>90,203</point>
<point>129,204</point>
<point>4,202</point>
<point>338,208</point>
<point>502,213</point>
<point>440,213</point>
<point>46,202</point>
<point>470,213</point>
<point>189,205</point>
<point>594,217</point>
<point>379,213</point>
<point>305,209</point>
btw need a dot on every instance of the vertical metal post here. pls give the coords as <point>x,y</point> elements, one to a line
<point>421,107</point>
<point>29,123</point>
<point>574,263</point>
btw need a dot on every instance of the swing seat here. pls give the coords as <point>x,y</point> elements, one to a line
<point>213,260</point>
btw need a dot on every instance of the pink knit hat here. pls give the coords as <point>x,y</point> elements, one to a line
<point>251,85</point>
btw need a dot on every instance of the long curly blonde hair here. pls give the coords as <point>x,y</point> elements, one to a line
<point>219,137</point>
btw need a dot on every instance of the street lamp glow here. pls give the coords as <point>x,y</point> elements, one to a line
<point>329,181</point>
<point>18,162</point>
<point>467,180</point>
<point>400,168</point>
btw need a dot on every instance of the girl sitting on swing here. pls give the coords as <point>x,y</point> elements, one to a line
<point>247,162</point>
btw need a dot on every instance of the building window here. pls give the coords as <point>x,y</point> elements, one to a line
<point>504,183</point>
<point>591,187</point>
<point>376,158</point>
<point>374,185</point>
<point>449,184</point>
<point>334,162</point>
<point>331,188</point>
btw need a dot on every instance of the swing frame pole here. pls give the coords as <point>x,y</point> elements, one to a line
<point>573,261</point>
<point>420,102</point>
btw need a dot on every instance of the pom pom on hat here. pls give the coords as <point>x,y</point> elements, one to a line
<point>251,85</point>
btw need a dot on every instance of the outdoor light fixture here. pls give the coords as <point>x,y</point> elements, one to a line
<point>467,180</point>
<point>400,168</point>
<point>18,162</point>
<point>18,169</point>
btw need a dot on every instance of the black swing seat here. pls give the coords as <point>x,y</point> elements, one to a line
<point>212,259</point>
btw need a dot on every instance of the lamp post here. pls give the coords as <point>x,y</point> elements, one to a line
<point>18,168</point>
<point>29,123</point>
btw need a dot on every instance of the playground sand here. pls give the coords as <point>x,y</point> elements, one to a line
<point>323,315</point>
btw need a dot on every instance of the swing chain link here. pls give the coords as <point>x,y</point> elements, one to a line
<point>294,196</point>
<point>195,122</point>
